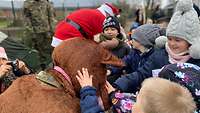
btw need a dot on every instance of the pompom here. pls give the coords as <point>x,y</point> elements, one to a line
<point>160,41</point>
<point>184,5</point>
<point>194,51</point>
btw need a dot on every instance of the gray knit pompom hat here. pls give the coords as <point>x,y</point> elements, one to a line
<point>185,24</point>
<point>146,35</point>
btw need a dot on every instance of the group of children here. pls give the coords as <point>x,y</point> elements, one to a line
<point>157,95</point>
<point>167,78</point>
<point>179,55</point>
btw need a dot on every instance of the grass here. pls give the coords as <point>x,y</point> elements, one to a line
<point>3,23</point>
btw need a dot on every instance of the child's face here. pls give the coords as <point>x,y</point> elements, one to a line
<point>137,45</point>
<point>111,31</point>
<point>177,45</point>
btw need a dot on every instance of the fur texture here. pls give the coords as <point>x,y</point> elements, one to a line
<point>29,95</point>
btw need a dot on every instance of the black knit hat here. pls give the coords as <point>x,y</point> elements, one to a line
<point>187,75</point>
<point>111,21</point>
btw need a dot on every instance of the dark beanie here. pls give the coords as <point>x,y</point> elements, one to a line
<point>187,75</point>
<point>146,34</point>
<point>111,21</point>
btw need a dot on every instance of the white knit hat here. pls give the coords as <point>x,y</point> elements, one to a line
<point>3,53</point>
<point>185,24</point>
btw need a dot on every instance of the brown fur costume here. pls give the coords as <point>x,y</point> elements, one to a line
<point>28,95</point>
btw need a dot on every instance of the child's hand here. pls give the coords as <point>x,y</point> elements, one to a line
<point>109,87</point>
<point>84,78</point>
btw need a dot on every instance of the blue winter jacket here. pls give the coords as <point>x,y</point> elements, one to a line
<point>122,102</point>
<point>132,61</point>
<point>89,101</point>
<point>131,82</point>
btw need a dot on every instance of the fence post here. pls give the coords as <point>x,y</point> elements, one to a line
<point>13,11</point>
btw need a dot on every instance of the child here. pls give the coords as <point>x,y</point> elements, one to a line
<point>143,42</point>
<point>112,38</point>
<point>162,97</point>
<point>187,75</point>
<point>182,47</point>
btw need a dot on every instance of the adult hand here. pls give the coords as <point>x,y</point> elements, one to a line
<point>22,66</point>
<point>109,87</point>
<point>84,78</point>
<point>4,69</point>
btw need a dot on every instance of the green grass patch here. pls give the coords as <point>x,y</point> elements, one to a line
<point>3,23</point>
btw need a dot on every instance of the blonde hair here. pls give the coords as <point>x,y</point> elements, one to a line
<point>159,95</point>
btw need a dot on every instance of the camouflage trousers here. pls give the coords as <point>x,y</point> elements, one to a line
<point>42,43</point>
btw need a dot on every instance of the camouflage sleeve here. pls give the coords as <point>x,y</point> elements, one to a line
<point>26,10</point>
<point>51,11</point>
<point>51,15</point>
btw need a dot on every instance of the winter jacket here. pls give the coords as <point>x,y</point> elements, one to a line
<point>131,82</point>
<point>133,61</point>
<point>121,50</point>
<point>89,101</point>
<point>122,102</point>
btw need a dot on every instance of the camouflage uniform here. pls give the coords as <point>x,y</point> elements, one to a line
<point>39,27</point>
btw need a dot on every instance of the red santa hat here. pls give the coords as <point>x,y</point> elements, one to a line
<point>3,53</point>
<point>109,9</point>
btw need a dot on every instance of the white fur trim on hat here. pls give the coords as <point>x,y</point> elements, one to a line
<point>105,9</point>
<point>55,42</point>
<point>3,53</point>
<point>160,41</point>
